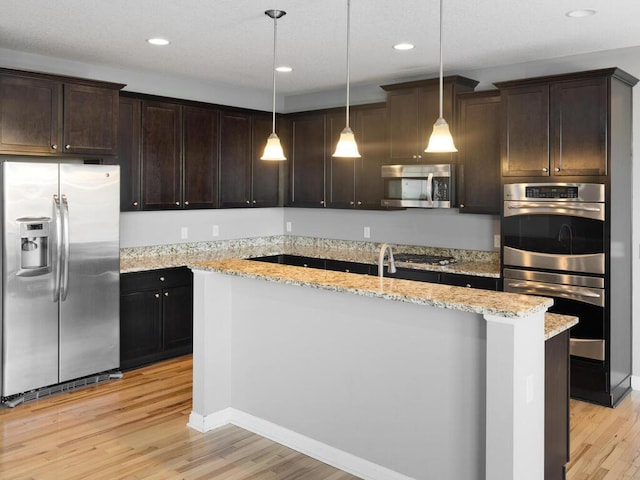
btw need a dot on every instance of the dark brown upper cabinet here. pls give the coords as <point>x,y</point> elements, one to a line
<point>129,144</point>
<point>413,108</point>
<point>235,159</point>
<point>307,162</point>
<point>50,115</point>
<point>478,143</point>
<point>161,148</point>
<point>558,126</point>
<point>200,157</point>
<point>357,182</point>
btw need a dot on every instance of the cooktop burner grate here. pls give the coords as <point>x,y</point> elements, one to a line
<point>425,259</point>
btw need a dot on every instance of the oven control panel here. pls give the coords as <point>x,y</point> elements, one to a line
<point>551,191</point>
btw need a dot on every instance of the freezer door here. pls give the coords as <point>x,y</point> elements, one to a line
<point>90,279</point>
<point>29,310</point>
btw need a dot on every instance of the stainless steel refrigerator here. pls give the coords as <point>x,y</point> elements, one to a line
<point>60,273</point>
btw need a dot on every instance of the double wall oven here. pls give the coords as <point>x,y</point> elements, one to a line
<point>555,242</point>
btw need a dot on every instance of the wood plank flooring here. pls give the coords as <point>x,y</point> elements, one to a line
<point>135,428</point>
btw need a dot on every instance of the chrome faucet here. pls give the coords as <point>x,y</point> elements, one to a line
<point>392,265</point>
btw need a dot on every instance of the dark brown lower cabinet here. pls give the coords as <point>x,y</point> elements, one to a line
<point>156,316</point>
<point>556,407</point>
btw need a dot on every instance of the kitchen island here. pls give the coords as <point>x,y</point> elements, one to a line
<point>384,378</point>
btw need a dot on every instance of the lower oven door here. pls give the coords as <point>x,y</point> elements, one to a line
<point>575,295</point>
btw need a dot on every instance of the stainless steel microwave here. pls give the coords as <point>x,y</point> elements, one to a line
<point>419,186</point>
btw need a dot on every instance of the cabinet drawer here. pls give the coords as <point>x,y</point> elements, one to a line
<point>155,279</point>
<point>471,281</point>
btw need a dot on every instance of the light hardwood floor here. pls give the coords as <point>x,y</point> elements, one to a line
<point>135,428</point>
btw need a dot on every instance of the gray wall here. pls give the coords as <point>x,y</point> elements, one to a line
<point>134,233</point>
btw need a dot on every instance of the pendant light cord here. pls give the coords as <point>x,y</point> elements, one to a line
<point>275,30</point>
<point>348,45</point>
<point>441,83</point>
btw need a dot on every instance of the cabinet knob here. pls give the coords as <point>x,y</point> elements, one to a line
<point>419,156</point>
<point>54,147</point>
<point>468,285</point>
<point>186,203</point>
<point>157,295</point>
<point>162,279</point>
<point>462,205</point>
<point>247,202</point>
<point>166,294</point>
<point>135,204</point>
<point>359,203</point>
<point>178,204</point>
<point>351,203</point>
<point>67,147</point>
<point>545,169</point>
<point>557,169</point>
<point>321,202</point>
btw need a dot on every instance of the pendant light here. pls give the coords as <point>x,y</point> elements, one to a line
<point>273,148</point>
<point>347,147</point>
<point>441,140</point>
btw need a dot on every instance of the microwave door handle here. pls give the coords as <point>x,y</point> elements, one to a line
<point>555,290</point>
<point>430,189</point>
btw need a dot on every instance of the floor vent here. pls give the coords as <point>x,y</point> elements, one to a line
<point>60,388</point>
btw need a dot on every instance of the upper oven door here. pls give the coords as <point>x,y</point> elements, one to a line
<point>555,236</point>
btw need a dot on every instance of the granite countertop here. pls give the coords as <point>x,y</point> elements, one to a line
<point>555,323</point>
<point>443,296</point>
<point>478,263</point>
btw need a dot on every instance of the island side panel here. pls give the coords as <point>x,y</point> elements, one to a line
<point>396,384</point>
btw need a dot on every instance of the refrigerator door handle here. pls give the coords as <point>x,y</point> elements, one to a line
<point>64,284</point>
<point>57,215</point>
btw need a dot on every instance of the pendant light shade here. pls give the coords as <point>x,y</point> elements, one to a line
<point>347,147</point>
<point>273,148</point>
<point>441,139</point>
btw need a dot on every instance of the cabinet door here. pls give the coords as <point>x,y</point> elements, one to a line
<point>161,146</point>
<point>177,317</point>
<point>129,153</point>
<point>200,157</point>
<point>90,119</point>
<point>579,112</point>
<point>140,327</point>
<point>371,135</point>
<point>341,182</point>
<point>265,174</point>
<point>478,142</point>
<point>525,137</point>
<point>470,281</point>
<point>403,109</point>
<point>30,115</point>
<point>307,161</point>
<point>235,159</point>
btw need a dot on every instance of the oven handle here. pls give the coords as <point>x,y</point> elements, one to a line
<point>519,206</point>
<point>555,290</point>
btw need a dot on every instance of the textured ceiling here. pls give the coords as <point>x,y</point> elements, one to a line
<point>230,41</point>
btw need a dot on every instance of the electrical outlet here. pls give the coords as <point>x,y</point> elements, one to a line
<point>288,227</point>
<point>184,233</point>
<point>215,231</point>
<point>496,241</point>
<point>367,232</point>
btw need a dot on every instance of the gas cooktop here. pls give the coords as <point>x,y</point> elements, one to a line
<point>424,259</point>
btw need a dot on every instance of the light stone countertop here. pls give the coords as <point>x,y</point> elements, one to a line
<point>555,323</point>
<point>444,296</point>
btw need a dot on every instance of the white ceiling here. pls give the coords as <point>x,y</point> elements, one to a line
<point>230,41</point>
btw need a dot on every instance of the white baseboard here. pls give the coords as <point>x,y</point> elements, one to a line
<point>320,451</point>
<point>635,382</point>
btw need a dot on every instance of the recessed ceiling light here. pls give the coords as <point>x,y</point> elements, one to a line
<point>284,69</point>
<point>158,41</point>
<point>581,13</point>
<point>403,46</point>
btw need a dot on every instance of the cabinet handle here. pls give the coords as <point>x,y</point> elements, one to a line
<point>135,204</point>
<point>162,279</point>
<point>557,169</point>
<point>186,203</point>
<point>468,285</point>
<point>166,294</point>
<point>157,295</point>
<point>67,147</point>
<point>545,169</point>
<point>54,147</point>
<point>178,204</point>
